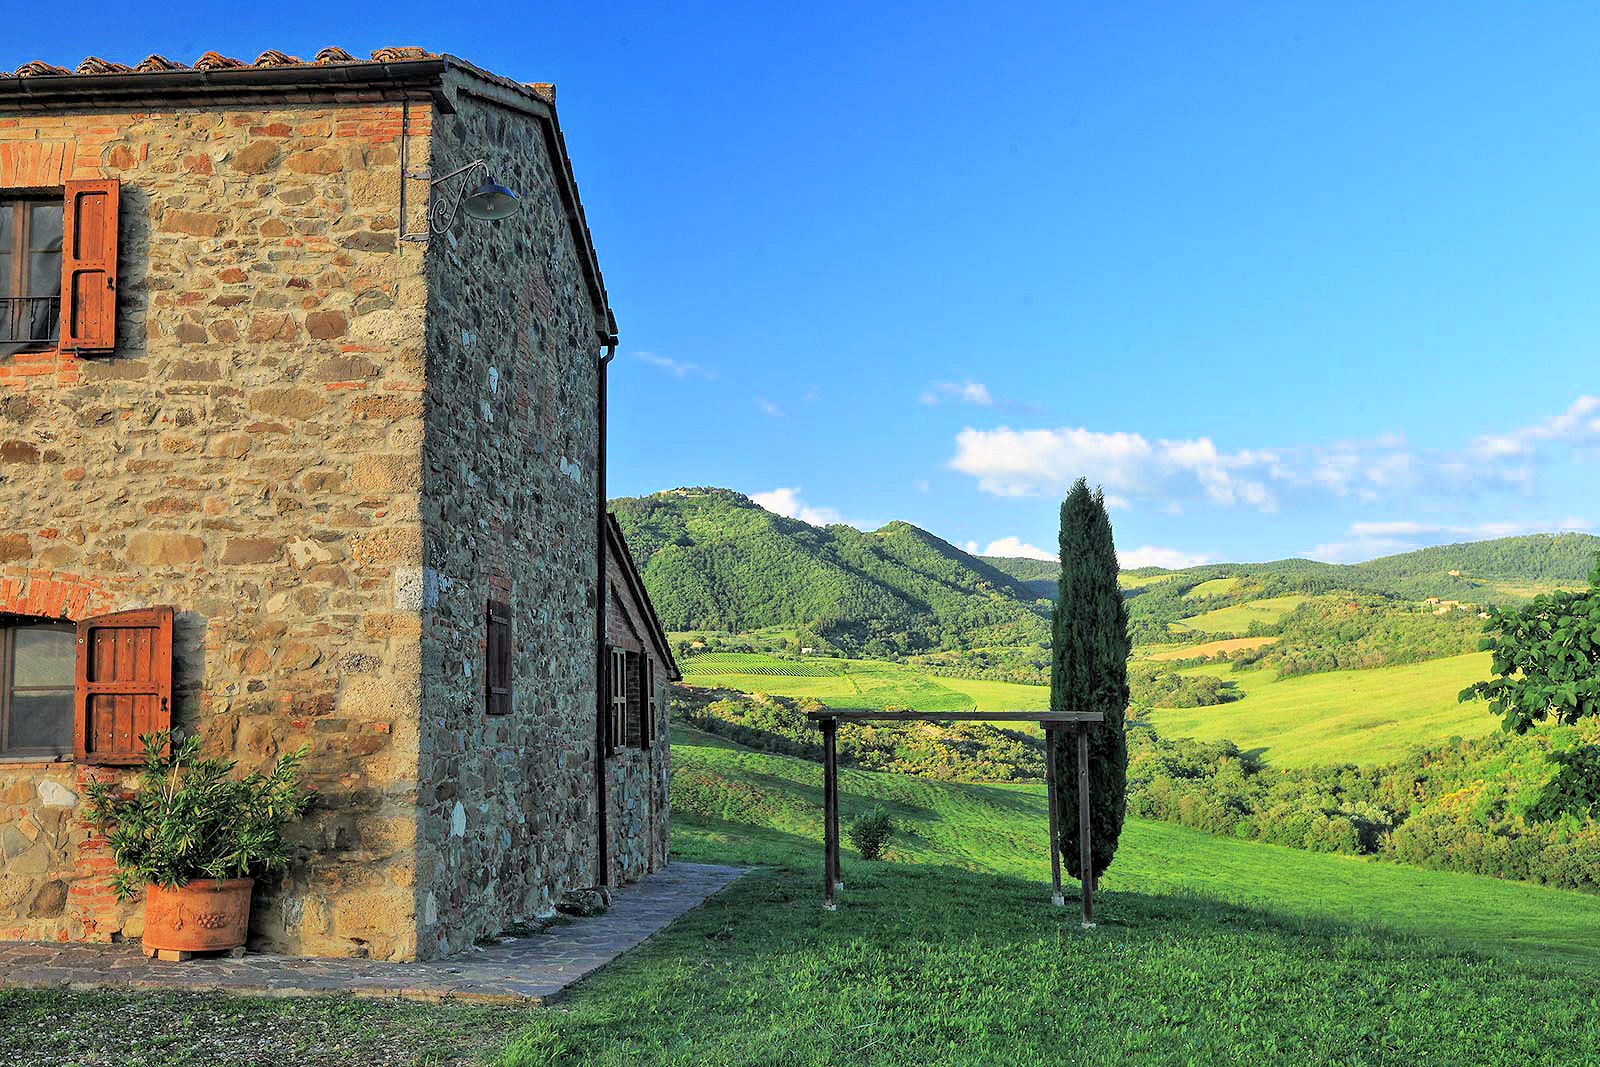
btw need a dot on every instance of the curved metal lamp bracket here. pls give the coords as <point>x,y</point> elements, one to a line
<point>444,206</point>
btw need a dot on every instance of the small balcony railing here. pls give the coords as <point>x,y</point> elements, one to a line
<point>26,320</point>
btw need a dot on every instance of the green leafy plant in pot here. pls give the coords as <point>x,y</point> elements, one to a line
<point>195,836</point>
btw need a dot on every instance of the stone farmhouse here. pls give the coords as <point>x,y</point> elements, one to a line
<point>292,452</point>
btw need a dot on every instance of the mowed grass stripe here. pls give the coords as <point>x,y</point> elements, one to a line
<point>1240,617</point>
<point>875,684</point>
<point>1366,717</point>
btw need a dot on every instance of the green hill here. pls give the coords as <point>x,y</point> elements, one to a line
<point>1502,570</point>
<point>736,803</point>
<point>1368,717</point>
<point>949,953</point>
<point>1209,951</point>
<point>715,560</point>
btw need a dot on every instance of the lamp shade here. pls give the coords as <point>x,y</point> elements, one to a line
<point>491,201</point>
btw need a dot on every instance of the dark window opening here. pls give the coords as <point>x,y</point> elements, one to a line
<point>498,657</point>
<point>30,272</point>
<point>38,672</point>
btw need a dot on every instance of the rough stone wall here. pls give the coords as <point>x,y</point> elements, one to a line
<point>510,447</point>
<point>637,815</point>
<point>251,455</point>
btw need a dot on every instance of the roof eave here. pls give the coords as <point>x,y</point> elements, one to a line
<point>399,79</point>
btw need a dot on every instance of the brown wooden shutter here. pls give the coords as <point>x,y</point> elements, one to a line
<point>498,658</point>
<point>635,721</point>
<point>124,684</point>
<point>89,266</point>
<point>648,697</point>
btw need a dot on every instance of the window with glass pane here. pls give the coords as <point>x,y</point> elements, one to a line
<point>38,664</point>
<point>30,273</point>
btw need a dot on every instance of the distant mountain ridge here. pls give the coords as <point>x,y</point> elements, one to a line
<point>1470,569</point>
<point>713,559</point>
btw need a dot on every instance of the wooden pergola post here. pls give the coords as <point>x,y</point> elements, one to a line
<point>1051,798</point>
<point>830,804</point>
<point>1085,845</point>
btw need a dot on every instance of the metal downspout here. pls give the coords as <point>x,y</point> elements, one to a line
<point>601,659</point>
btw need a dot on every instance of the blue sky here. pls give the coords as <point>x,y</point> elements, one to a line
<point>1284,281</point>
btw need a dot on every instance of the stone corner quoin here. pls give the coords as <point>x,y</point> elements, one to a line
<point>328,449</point>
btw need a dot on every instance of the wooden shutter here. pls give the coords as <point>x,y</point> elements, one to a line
<point>617,699</point>
<point>633,737</point>
<point>648,698</point>
<point>498,658</point>
<point>89,266</point>
<point>124,684</point>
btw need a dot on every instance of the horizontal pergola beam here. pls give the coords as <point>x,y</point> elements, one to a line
<point>1043,718</point>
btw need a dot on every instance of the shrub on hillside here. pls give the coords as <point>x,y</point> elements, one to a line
<point>1492,806</point>
<point>871,832</point>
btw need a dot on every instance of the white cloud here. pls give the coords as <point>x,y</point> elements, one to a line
<point>1178,472</point>
<point>1369,540</point>
<point>1151,556</point>
<point>769,408</point>
<point>1010,462</point>
<point>968,392</point>
<point>1014,547</point>
<point>1579,423</point>
<point>677,368</point>
<point>789,503</point>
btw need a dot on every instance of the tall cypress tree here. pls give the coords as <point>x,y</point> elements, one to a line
<point>1089,672</point>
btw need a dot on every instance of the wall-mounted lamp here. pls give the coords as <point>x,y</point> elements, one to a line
<point>489,200</point>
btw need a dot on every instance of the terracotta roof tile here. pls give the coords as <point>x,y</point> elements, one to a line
<point>151,64</point>
<point>213,61</point>
<point>216,61</point>
<point>34,69</point>
<point>96,65</point>
<point>271,58</point>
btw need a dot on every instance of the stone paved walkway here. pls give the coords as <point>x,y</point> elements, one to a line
<point>534,969</point>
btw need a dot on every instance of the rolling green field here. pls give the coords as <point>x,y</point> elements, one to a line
<point>1367,717</point>
<point>1208,951</point>
<point>1212,587</point>
<point>1210,648</point>
<point>1239,617</point>
<point>842,683</point>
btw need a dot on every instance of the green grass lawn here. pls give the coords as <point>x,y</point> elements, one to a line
<point>858,683</point>
<point>1367,717</point>
<point>1239,617</point>
<point>1209,951</point>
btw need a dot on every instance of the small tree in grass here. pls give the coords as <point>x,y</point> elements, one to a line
<point>1089,672</point>
<point>1547,656</point>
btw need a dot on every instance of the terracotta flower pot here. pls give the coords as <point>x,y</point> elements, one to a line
<point>206,915</point>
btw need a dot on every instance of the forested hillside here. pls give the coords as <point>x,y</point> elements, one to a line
<point>1503,570</point>
<point>715,560</point>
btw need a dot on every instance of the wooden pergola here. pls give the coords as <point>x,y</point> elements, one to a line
<point>1052,722</point>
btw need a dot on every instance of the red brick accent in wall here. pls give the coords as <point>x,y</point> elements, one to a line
<point>52,594</point>
<point>91,902</point>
